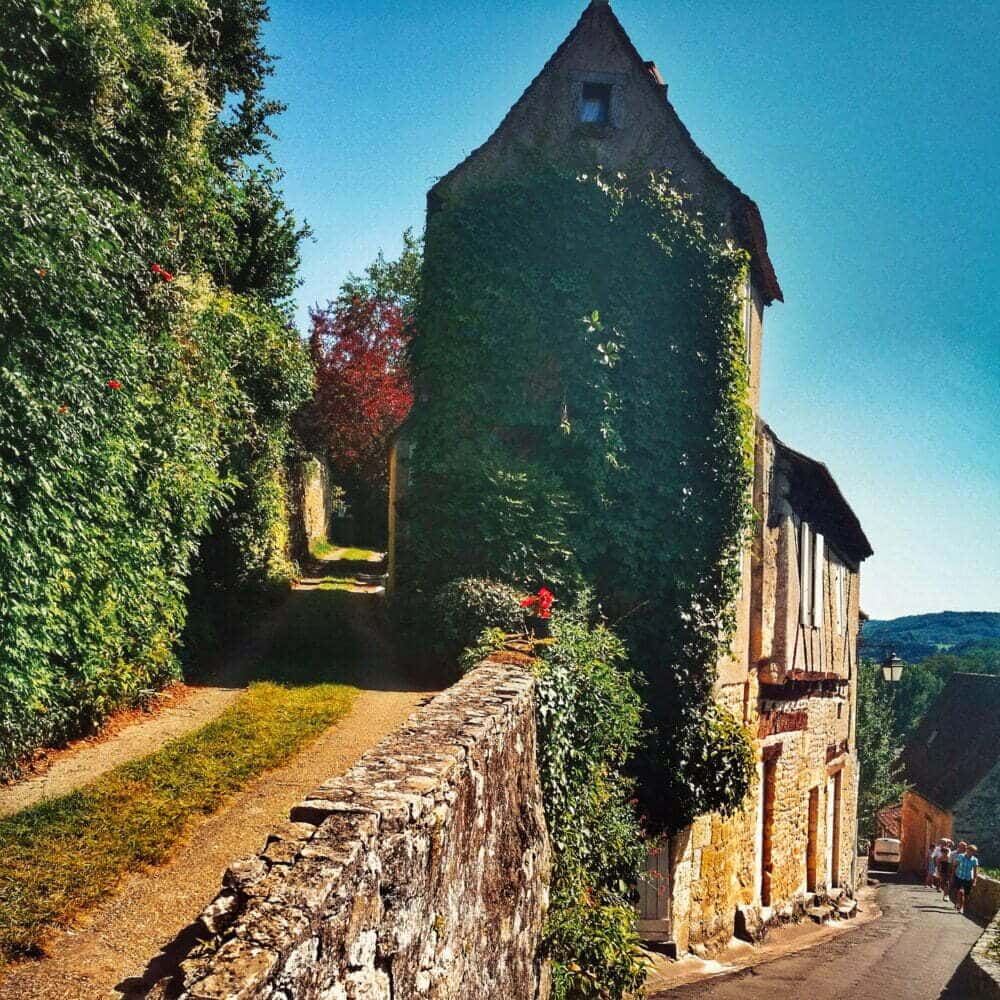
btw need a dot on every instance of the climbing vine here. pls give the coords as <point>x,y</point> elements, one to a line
<point>582,420</point>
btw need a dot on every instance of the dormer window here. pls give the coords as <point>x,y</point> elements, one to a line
<point>595,104</point>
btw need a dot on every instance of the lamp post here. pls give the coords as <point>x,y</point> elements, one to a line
<point>892,674</point>
<point>892,669</point>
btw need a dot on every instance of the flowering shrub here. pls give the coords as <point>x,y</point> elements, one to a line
<point>589,726</point>
<point>465,608</point>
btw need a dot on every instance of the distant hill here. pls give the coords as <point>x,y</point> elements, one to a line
<point>915,637</point>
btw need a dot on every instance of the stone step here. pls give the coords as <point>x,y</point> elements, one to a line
<point>847,909</point>
<point>821,914</point>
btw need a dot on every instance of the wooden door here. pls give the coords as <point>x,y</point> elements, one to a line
<point>812,841</point>
<point>767,843</point>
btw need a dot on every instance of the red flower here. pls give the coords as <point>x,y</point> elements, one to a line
<point>41,272</point>
<point>113,383</point>
<point>64,408</point>
<point>542,602</point>
<point>162,272</point>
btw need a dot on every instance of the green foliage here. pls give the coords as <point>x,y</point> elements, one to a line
<point>464,609</point>
<point>915,637</point>
<point>878,778</point>
<point>395,281</point>
<point>135,413</point>
<point>589,724</point>
<point>582,421</point>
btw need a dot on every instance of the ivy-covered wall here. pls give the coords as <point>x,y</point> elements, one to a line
<point>582,421</point>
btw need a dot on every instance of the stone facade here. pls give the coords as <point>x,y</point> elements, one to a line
<point>421,872</point>
<point>923,824</point>
<point>791,677</point>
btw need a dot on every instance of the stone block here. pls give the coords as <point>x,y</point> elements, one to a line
<point>749,924</point>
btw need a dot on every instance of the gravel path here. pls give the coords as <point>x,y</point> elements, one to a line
<point>202,704</point>
<point>153,907</point>
<point>115,944</point>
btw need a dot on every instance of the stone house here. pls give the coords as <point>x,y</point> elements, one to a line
<point>792,678</point>
<point>792,669</point>
<point>952,766</point>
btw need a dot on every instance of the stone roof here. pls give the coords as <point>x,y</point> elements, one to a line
<point>958,743</point>
<point>815,496</point>
<point>747,221</point>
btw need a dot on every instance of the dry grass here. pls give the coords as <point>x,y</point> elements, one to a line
<point>63,855</point>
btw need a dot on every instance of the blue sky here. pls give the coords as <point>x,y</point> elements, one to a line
<point>867,133</point>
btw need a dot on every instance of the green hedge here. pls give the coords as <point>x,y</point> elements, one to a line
<point>135,413</point>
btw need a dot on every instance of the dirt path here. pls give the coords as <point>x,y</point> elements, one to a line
<point>78,767</point>
<point>153,907</point>
<point>117,944</point>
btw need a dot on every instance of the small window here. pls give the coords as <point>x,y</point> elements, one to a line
<point>595,107</point>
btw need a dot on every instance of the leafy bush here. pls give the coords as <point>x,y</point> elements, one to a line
<point>140,408</point>
<point>589,725</point>
<point>464,609</point>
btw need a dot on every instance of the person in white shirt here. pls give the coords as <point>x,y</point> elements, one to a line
<point>932,865</point>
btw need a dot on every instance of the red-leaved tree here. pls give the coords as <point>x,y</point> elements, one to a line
<point>363,392</point>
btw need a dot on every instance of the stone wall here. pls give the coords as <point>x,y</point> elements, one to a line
<point>315,498</point>
<point>979,974</point>
<point>984,900</point>
<point>421,872</point>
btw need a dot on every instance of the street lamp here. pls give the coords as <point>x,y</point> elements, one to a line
<point>892,669</point>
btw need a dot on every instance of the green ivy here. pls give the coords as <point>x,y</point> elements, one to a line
<point>582,421</point>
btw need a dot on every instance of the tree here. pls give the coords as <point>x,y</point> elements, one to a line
<point>879,783</point>
<point>359,345</point>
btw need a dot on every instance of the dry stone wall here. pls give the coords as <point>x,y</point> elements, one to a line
<point>979,974</point>
<point>421,872</point>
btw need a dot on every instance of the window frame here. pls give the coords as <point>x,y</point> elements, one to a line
<point>602,97</point>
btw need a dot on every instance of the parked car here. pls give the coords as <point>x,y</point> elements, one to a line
<point>886,852</point>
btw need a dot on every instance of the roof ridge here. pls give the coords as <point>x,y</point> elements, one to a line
<point>750,227</point>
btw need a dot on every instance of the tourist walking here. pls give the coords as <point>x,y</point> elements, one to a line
<point>932,863</point>
<point>966,873</point>
<point>944,865</point>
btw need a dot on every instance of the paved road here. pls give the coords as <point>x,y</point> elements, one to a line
<point>911,953</point>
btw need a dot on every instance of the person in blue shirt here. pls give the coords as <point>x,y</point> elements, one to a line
<point>966,872</point>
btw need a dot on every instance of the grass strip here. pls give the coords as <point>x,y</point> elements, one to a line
<point>63,855</point>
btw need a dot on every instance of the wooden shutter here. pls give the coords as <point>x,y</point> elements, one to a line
<point>805,574</point>
<point>841,575</point>
<point>819,574</point>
